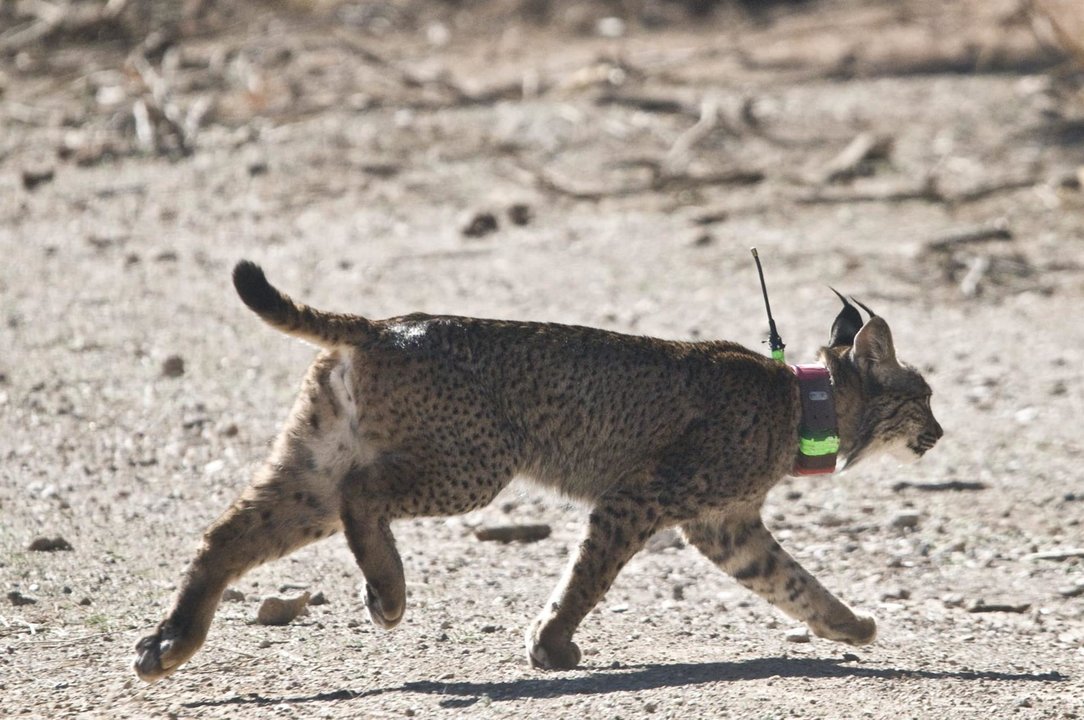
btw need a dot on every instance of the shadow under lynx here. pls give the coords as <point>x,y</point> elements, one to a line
<point>433,415</point>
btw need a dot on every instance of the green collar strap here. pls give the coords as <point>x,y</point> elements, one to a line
<point>818,431</point>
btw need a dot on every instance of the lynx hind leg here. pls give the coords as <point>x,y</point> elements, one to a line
<point>617,529</point>
<point>744,548</point>
<point>405,484</point>
<point>292,501</point>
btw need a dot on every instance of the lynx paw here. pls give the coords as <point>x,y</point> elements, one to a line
<point>862,631</point>
<point>858,629</point>
<point>379,613</point>
<point>160,654</point>
<point>549,653</point>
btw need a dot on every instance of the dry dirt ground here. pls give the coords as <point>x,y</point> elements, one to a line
<point>349,152</point>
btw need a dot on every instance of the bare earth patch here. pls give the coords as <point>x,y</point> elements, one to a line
<point>925,157</point>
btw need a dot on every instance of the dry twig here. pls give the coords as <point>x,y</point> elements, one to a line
<point>854,159</point>
<point>53,21</point>
<point>973,236</point>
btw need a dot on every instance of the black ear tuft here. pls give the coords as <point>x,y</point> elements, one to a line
<point>846,325</point>
<point>863,306</point>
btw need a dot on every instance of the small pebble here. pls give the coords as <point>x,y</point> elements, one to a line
<point>851,657</point>
<point>520,214</point>
<point>233,595</point>
<point>905,519</point>
<point>896,594</point>
<point>46,544</point>
<point>798,635</point>
<point>33,177</point>
<point>610,27</point>
<point>18,599</point>
<point>1071,591</point>
<point>517,533</point>
<point>981,606</point>
<point>318,598</point>
<point>280,611</point>
<point>173,366</point>
<point>480,225</point>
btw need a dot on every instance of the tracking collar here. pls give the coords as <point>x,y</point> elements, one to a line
<point>818,431</point>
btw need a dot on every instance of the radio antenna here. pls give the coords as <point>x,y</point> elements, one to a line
<point>774,341</point>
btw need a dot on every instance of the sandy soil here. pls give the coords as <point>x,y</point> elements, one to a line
<point>348,155</point>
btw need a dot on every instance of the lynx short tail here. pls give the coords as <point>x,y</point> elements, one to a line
<point>293,318</point>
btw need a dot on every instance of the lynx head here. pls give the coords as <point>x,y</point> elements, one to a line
<point>884,405</point>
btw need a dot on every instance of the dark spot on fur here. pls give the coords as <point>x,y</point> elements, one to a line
<point>618,536</point>
<point>745,533</point>
<point>749,571</point>
<point>769,565</point>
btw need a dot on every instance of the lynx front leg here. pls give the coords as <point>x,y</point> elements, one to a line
<point>617,528</point>
<point>744,548</point>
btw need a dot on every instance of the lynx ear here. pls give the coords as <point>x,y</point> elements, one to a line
<point>846,325</point>
<point>863,306</point>
<point>873,345</point>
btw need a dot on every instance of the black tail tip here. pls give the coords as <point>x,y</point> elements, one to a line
<point>251,284</point>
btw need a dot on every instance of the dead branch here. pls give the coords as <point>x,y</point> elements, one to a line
<point>1067,554</point>
<point>951,241</point>
<point>402,75</point>
<point>1047,20</point>
<point>856,158</point>
<point>981,606</point>
<point>981,192</point>
<point>951,485</point>
<point>647,103</point>
<point>155,112</point>
<point>54,21</point>
<point>661,180</point>
<point>681,150</point>
<point>928,191</point>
